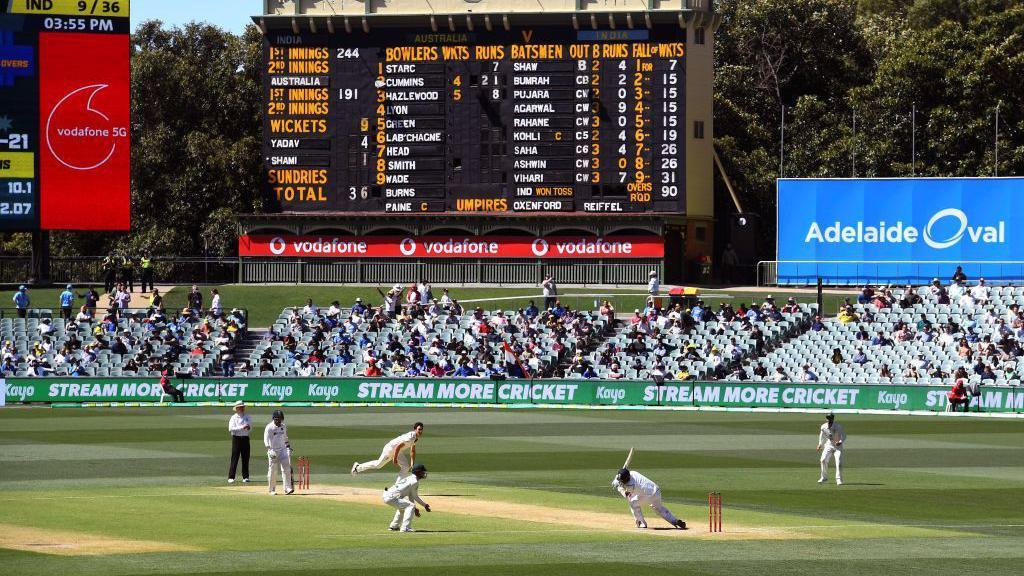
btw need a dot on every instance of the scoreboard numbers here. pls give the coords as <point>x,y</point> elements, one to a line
<point>535,119</point>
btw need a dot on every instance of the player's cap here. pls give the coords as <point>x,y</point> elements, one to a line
<point>22,287</point>
<point>624,475</point>
<point>359,299</point>
<point>830,416</point>
<point>419,469</point>
<point>68,286</point>
<point>653,273</point>
<point>239,404</point>
<point>277,415</point>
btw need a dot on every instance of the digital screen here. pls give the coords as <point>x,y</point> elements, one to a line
<point>533,119</point>
<point>64,115</point>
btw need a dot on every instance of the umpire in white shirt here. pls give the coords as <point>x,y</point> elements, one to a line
<point>239,426</point>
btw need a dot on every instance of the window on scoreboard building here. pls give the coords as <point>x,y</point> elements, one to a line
<point>698,35</point>
<point>698,129</point>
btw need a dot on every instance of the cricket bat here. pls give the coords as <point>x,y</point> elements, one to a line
<point>629,458</point>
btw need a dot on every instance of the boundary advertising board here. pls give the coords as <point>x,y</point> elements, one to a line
<point>510,392</point>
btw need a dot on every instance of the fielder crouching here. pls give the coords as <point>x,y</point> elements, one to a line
<point>404,496</point>
<point>638,489</point>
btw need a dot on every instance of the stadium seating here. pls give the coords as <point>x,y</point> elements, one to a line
<point>147,343</point>
<point>816,348</point>
<point>542,344</point>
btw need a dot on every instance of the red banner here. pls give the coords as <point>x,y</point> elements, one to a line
<point>473,247</point>
<point>84,121</point>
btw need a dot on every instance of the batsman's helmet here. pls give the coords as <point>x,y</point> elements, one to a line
<point>278,415</point>
<point>419,470</point>
<point>624,475</point>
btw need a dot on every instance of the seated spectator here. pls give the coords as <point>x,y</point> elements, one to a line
<point>911,372</point>
<point>860,357</point>
<point>847,315</point>
<point>817,325</point>
<point>866,295</point>
<point>910,298</point>
<point>884,371</point>
<point>881,340</point>
<point>981,292</point>
<point>760,371</point>
<point>372,371</point>
<point>168,388</point>
<point>780,375</point>
<point>808,374</point>
<point>958,395</point>
<point>837,357</point>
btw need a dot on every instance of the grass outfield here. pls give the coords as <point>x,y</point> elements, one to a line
<point>142,491</point>
<point>265,303</point>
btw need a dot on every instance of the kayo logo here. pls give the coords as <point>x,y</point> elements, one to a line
<point>945,229</point>
<point>78,134</point>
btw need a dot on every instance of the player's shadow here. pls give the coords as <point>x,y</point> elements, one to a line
<point>450,495</point>
<point>666,528</point>
<point>863,484</point>
<point>439,531</point>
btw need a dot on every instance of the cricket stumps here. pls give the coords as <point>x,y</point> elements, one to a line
<point>714,512</point>
<point>302,478</point>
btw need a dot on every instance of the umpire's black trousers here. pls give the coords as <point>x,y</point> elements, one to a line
<point>239,447</point>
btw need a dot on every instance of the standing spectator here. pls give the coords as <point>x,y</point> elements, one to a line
<point>227,361</point>
<point>109,267</point>
<point>22,301</point>
<point>67,300</point>
<point>215,309</point>
<point>128,273</point>
<point>146,263</point>
<point>652,283</point>
<point>959,275</point>
<point>195,300</point>
<point>730,261</point>
<point>550,290</point>
<point>239,426</point>
<point>91,298</point>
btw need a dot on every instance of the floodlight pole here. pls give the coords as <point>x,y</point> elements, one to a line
<point>996,166</point>
<point>782,142</point>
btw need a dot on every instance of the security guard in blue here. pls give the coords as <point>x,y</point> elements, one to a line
<point>67,301</point>
<point>22,301</point>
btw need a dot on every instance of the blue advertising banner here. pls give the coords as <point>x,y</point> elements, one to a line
<point>899,230</point>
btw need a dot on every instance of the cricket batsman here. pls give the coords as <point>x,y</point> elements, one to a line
<point>279,453</point>
<point>401,451</point>
<point>638,489</point>
<point>404,496</point>
<point>831,438</point>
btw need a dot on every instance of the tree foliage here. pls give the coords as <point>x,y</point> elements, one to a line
<point>828,61</point>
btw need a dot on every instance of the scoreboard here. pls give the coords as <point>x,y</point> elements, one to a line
<point>64,115</point>
<point>531,119</point>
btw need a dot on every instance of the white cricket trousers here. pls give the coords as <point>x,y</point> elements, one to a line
<point>637,500</point>
<point>403,511</point>
<point>827,453</point>
<point>282,459</point>
<point>385,457</point>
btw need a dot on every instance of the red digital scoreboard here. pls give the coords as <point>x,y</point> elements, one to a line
<point>64,115</point>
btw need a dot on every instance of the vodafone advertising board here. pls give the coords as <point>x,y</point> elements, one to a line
<point>578,247</point>
<point>84,120</point>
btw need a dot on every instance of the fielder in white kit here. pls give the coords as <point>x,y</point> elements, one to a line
<point>638,489</point>
<point>401,451</point>
<point>404,496</point>
<point>831,437</point>
<point>279,453</point>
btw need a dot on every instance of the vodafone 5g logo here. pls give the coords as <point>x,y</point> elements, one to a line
<point>79,134</point>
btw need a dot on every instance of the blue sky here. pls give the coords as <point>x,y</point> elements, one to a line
<point>231,15</point>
